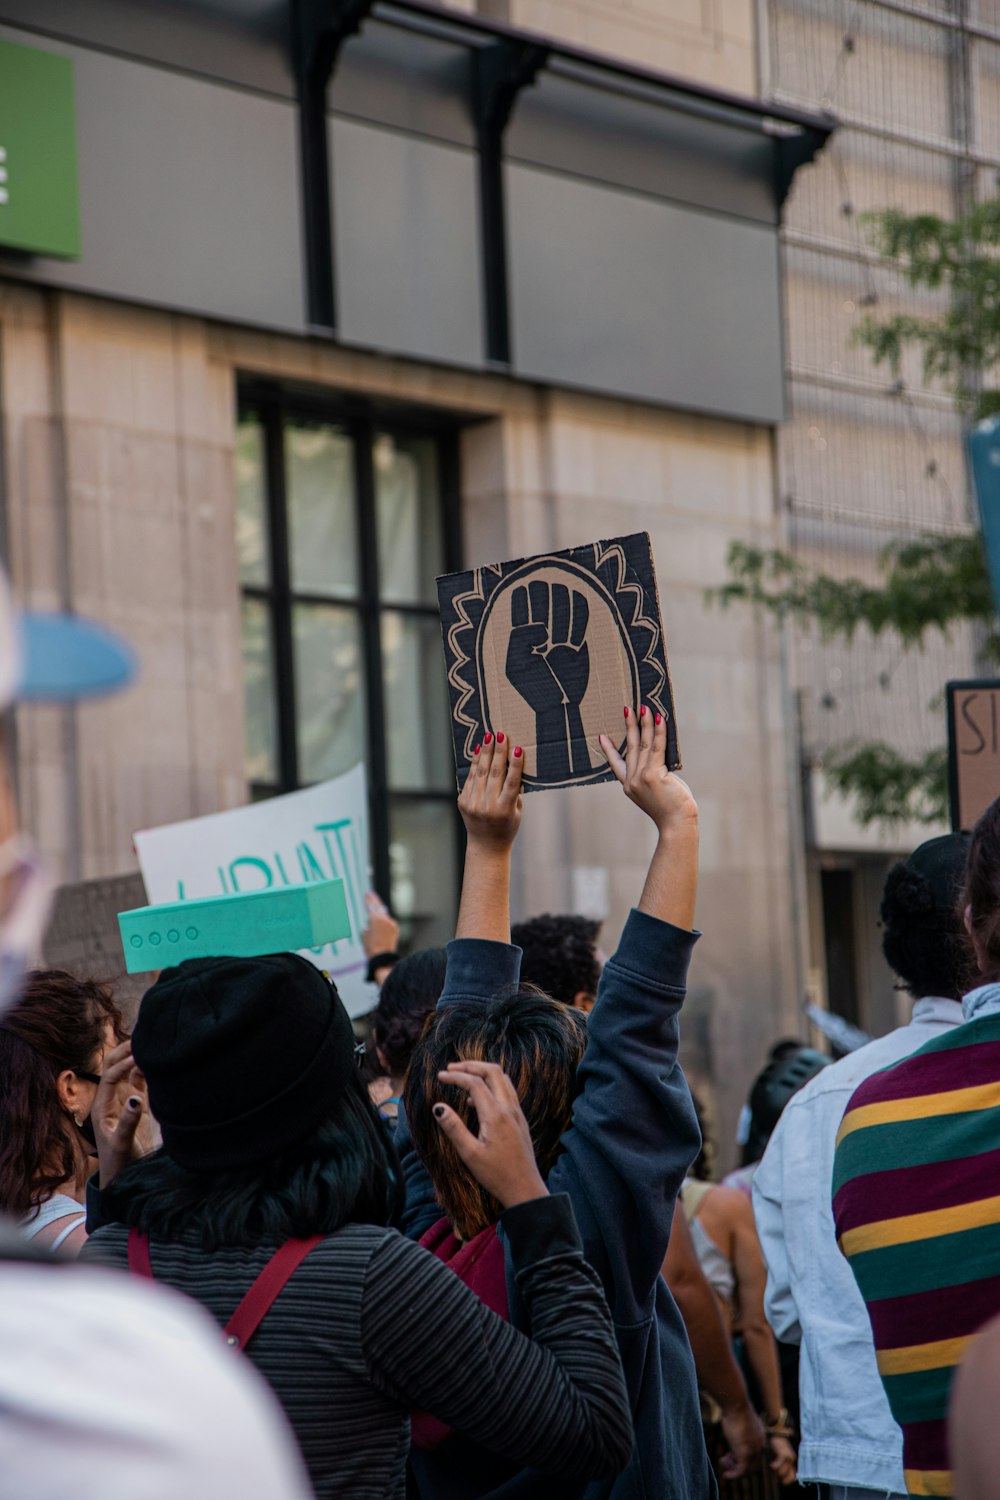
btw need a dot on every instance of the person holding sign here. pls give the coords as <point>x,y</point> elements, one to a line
<point>272,1203</point>
<point>609,1110</point>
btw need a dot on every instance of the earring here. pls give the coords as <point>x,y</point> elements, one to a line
<point>76,1120</point>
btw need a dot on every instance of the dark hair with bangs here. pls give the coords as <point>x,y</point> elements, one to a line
<point>345,1172</point>
<point>539,1043</point>
<point>58,1023</point>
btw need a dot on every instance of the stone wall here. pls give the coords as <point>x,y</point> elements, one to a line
<point>118,432</point>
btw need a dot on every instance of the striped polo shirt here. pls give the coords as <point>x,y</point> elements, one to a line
<point>916,1204</point>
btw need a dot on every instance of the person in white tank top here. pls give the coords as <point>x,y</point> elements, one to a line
<point>54,1044</point>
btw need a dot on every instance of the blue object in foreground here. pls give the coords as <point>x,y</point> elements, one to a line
<point>246,925</point>
<point>67,657</point>
<point>984,455</point>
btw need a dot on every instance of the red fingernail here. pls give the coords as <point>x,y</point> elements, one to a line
<point>517,752</point>
<point>488,739</point>
<point>500,737</point>
<point>626,713</point>
<point>477,750</point>
<point>658,719</point>
<point>642,712</point>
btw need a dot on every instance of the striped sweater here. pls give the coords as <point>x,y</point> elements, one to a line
<point>371,1326</point>
<point>916,1203</point>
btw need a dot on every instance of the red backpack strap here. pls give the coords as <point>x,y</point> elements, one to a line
<point>246,1319</point>
<point>138,1254</point>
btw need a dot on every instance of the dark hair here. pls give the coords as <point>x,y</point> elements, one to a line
<point>922,938</point>
<point>704,1165</point>
<point>59,1022</point>
<point>790,1067</point>
<point>982,894</point>
<point>345,1172</point>
<point>410,992</point>
<point>560,955</point>
<point>539,1042</point>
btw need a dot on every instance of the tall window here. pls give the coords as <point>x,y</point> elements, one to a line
<point>345,516</point>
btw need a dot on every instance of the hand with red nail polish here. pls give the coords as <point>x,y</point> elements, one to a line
<point>490,801</point>
<point>643,772</point>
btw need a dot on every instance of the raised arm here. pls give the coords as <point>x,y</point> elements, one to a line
<point>490,804</point>
<point>672,881</point>
<point>634,1132</point>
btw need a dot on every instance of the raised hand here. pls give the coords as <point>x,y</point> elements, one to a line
<point>490,801</point>
<point>672,880</point>
<point>643,773</point>
<point>548,662</point>
<point>501,1157</point>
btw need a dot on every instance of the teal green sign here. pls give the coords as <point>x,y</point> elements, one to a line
<point>39,203</point>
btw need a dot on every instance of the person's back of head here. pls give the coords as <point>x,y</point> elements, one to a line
<point>60,1025</point>
<point>922,935</point>
<point>268,1132</point>
<point>560,957</point>
<point>980,899</point>
<point>539,1043</point>
<point>409,993</point>
<point>789,1069</point>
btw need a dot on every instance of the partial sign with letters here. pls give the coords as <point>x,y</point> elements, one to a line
<point>320,833</point>
<point>549,650</point>
<point>973,748</point>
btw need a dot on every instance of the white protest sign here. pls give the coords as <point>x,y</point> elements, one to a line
<point>315,834</point>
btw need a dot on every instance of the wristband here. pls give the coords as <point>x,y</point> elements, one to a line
<point>779,1426</point>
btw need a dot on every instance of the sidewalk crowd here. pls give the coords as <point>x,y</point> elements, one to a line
<point>486,1253</point>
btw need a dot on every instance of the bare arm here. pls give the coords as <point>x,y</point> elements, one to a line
<point>728,1218</point>
<point>490,804</point>
<point>672,881</point>
<point>718,1372</point>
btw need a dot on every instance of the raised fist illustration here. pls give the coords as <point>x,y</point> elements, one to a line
<point>548,662</point>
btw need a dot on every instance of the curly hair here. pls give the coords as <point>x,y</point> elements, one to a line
<point>923,939</point>
<point>409,993</point>
<point>560,955</point>
<point>59,1022</point>
<point>539,1042</point>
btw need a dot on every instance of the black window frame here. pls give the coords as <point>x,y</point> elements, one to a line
<point>273,405</point>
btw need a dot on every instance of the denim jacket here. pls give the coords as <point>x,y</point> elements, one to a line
<point>848,1434</point>
<point>632,1138</point>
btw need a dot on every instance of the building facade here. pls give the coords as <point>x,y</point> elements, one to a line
<point>356,306</point>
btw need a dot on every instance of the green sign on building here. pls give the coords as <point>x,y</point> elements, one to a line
<point>39,203</point>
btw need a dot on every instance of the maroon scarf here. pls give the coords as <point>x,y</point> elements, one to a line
<point>479,1263</point>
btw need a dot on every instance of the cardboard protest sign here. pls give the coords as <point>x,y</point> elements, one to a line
<point>320,833</point>
<point>82,936</point>
<point>550,649</point>
<point>973,748</point>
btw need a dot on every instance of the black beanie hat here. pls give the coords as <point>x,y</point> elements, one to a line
<point>242,1056</point>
